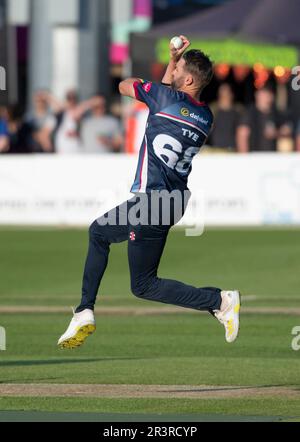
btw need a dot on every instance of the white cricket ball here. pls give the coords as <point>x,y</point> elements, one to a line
<point>177,42</point>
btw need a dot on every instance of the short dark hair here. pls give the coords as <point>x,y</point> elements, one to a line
<point>200,66</point>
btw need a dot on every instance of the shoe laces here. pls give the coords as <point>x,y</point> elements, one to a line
<point>221,317</point>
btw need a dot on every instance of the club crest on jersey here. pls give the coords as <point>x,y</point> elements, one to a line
<point>132,236</point>
<point>147,87</point>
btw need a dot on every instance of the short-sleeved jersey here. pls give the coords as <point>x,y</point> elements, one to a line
<point>177,128</point>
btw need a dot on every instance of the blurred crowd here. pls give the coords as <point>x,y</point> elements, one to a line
<point>63,127</point>
<point>259,127</point>
<point>74,126</point>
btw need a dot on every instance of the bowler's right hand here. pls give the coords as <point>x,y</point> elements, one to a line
<point>176,54</point>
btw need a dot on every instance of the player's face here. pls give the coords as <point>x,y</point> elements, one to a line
<point>179,75</point>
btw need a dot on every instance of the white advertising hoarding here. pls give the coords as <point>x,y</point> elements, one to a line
<point>228,190</point>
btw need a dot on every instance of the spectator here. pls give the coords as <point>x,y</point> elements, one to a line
<point>42,123</point>
<point>18,132</point>
<point>101,133</point>
<point>286,135</point>
<point>259,127</point>
<point>226,119</point>
<point>70,114</point>
<point>4,133</point>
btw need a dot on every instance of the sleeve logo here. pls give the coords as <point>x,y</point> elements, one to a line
<point>147,87</point>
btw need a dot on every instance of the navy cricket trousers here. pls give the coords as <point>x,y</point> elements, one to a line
<point>145,248</point>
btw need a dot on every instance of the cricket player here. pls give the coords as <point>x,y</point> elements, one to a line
<point>177,128</point>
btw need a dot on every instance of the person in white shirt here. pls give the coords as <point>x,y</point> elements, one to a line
<point>100,132</point>
<point>67,139</point>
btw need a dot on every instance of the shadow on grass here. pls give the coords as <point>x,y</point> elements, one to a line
<point>231,388</point>
<point>31,416</point>
<point>30,363</point>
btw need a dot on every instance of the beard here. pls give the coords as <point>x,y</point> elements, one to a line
<point>177,84</point>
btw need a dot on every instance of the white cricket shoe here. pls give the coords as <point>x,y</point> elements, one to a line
<point>229,314</point>
<point>82,325</point>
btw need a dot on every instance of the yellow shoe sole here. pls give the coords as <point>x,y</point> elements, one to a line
<point>78,340</point>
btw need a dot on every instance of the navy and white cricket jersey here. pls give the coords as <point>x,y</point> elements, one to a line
<point>177,128</point>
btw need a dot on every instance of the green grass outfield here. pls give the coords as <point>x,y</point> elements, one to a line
<point>43,268</point>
